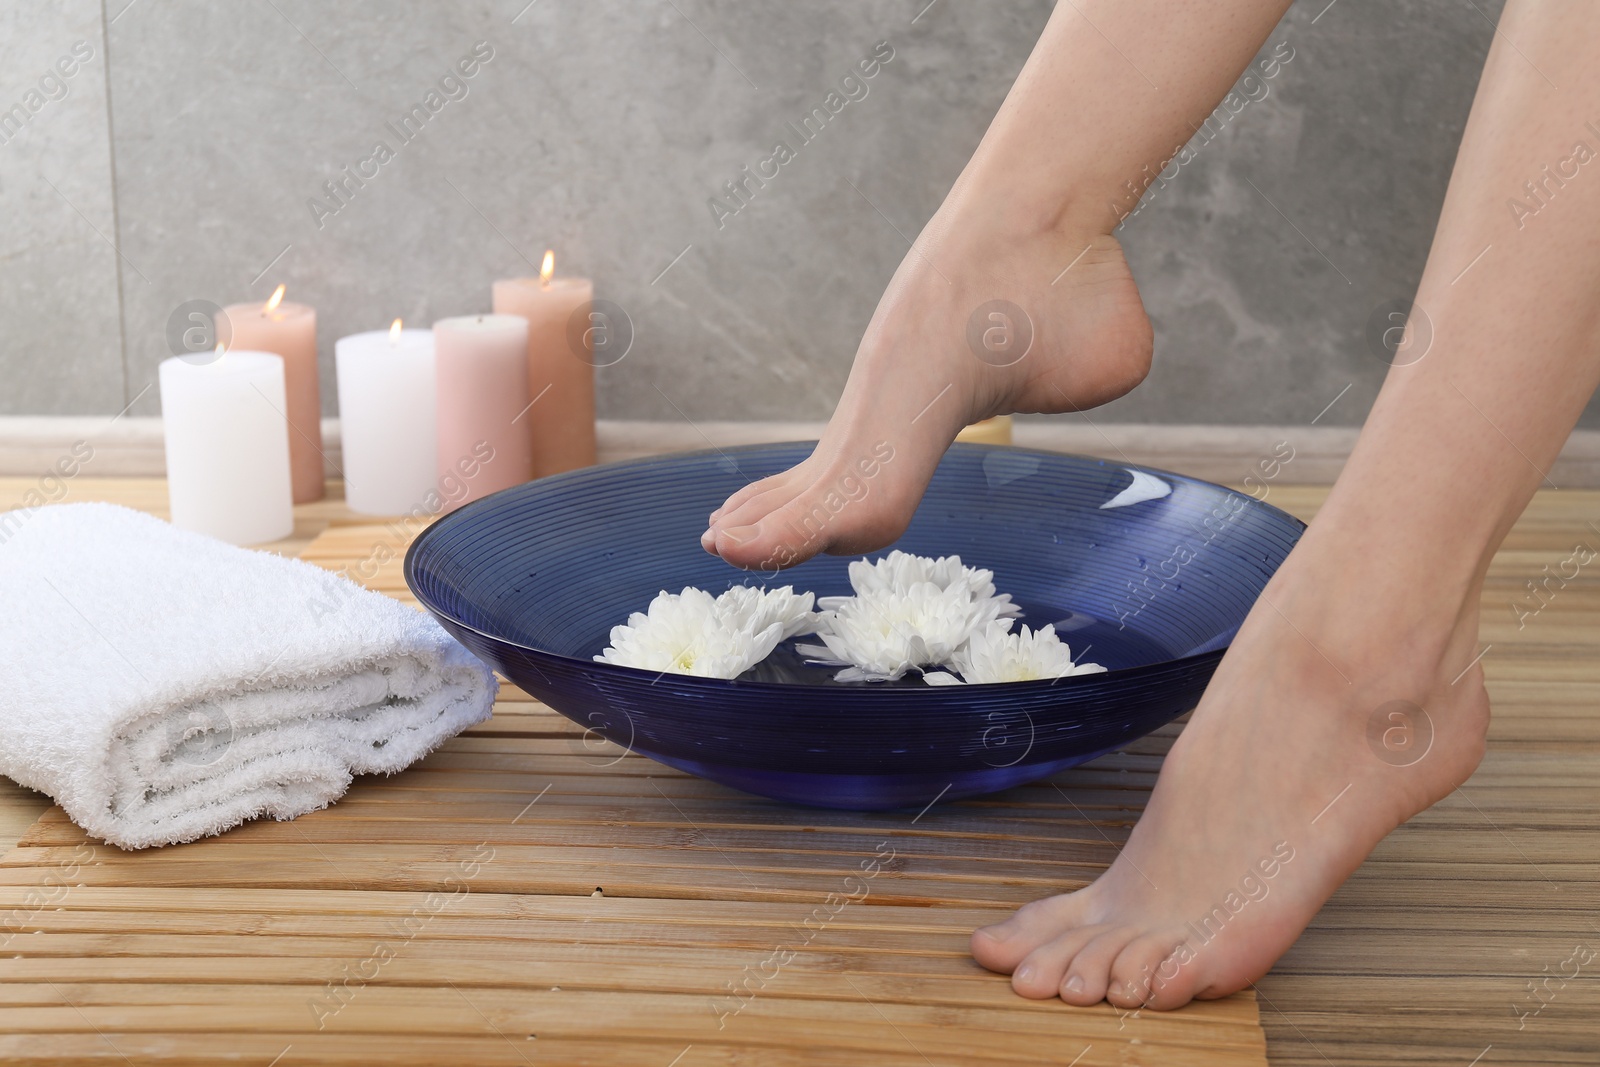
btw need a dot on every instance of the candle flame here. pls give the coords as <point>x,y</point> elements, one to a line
<point>394,331</point>
<point>548,267</point>
<point>275,299</point>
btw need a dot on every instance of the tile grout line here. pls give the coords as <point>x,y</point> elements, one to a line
<point>116,215</point>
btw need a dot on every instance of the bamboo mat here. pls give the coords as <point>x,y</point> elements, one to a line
<point>1439,950</point>
<point>531,895</point>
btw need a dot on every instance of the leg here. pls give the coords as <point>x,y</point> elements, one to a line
<point>1379,602</point>
<point>1077,139</point>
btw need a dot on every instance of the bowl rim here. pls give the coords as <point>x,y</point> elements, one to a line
<point>932,691</point>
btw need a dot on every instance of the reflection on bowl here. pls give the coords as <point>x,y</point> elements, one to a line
<point>1145,572</point>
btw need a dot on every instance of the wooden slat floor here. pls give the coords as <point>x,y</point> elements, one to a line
<point>1457,942</point>
<point>531,897</point>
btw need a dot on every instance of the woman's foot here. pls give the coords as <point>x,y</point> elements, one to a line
<point>1307,748</point>
<point>979,320</point>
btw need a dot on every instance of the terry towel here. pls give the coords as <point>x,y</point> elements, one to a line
<point>163,686</point>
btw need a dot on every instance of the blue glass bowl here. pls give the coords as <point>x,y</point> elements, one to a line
<point>533,578</point>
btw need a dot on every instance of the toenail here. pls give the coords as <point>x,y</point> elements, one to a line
<point>741,534</point>
<point>1074,984</point>
<point>1024,973</point>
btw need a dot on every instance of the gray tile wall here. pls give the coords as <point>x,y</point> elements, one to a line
<point>60,323</point>
<point>199,133</point>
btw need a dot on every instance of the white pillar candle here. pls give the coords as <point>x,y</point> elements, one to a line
<point>386,420</point>
<point>227,437</point>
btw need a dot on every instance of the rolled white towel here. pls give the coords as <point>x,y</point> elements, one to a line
<point>163,686</point>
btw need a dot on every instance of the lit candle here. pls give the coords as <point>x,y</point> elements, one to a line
<point>290,330</point>
<point>481,375</point>
<point>560,365</point>
<point>386,419</point>
<point>227,446</point>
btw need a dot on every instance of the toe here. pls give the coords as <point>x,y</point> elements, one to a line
<point>1151,972</point>
<point>1040,974</point>
<point>753,547</point>
<point>767,542</point>
<point>1088,976</point>
<point>754,489</point>
<point>786,481</point>
<point>731,540</point>
<point>752,509</point>
<point>821,520</point>
<point>1004,945</point>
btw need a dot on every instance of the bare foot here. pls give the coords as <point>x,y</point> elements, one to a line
<point>1289,772</point>
<point>978,321</point>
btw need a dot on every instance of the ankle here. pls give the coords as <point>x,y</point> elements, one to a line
<point>1378,627</point>
<point>1003,204</point>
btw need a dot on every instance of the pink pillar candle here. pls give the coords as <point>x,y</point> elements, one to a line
<point>481,376</point>
<point>289,330</point>
<point>560,366</point>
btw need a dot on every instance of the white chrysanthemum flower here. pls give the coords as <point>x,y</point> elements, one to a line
<point>746,607</point>
<point>909,613</point>
<point>993,654</point>
<point>899,571</point>
<point>693,632</point>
